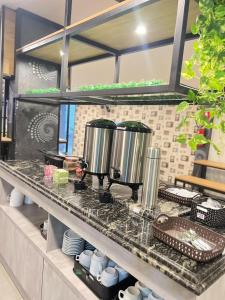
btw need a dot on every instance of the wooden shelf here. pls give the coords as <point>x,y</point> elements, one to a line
<point>210,164</point>
<point>5,139</point>
<point>201,182</point>
<point>112,31</point>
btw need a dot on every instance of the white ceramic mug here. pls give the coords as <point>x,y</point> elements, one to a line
<point>111,263</point>
<point>16,198</point>
<point>145,291</point>
<point>131,293</point>
<point>45,227</point>
<point>27,200</point>
<point>122,273</point>
<point>153,296</point>
<point>85,258</point>
<point>98,263</point>
<point>109,277</point>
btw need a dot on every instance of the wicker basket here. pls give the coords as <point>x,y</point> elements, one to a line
<point>163,193</point>
<point>207,216</point>
<point>166,228</point>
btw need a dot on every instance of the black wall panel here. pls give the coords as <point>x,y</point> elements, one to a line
<point>31,27</point>
<point>36,129</point>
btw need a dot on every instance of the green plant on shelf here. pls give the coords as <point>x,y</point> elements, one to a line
<point>43,91</point>
<point>130,84</point>
<point>207,65</point>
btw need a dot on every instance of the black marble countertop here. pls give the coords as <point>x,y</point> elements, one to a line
<point>131,230</point>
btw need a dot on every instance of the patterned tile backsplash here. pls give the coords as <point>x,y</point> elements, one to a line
<point>176,159</point>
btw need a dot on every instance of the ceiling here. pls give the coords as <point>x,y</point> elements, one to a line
<point>54,9</point>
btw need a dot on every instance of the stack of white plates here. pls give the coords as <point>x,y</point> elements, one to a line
<point>73,244</point>
<point>88,246</point>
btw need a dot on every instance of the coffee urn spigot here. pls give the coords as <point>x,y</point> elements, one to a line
<point>151,178</point>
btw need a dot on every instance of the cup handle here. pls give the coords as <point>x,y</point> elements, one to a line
<point>77,257</point>
<point>121,295</point>
<point>99,277</point>
<point>100,268</point>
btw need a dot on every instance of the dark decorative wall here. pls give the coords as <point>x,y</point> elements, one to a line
<point>36,125</point>
<point>31,27</point>
<point>36,129</point>
<point>34,73</point>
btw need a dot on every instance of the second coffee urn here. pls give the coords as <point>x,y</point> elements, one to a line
<point>130,141</point>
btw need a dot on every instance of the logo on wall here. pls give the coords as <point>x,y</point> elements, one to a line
<point>41,72</point>
<point>42,127</point>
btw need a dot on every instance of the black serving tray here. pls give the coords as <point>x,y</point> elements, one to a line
<point>104,293</point>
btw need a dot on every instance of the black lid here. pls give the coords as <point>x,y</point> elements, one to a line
<point>101,123</point>
<point>133,126</point>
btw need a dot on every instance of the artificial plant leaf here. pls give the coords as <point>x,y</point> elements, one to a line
<point>181,138</point>
<point>220,11</point>
<point>191,96</point>
<point>197,139</point>
<point>182,106</point>
<point>222,126</point>
<point>216,148</point>
<point>183,122</point>
<point>195,28</point>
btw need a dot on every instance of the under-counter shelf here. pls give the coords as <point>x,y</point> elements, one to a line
<point>63,265</point>
<point>28,219</point>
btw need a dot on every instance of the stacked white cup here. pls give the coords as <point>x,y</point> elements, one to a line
<point>108,277</point>
<point>16,198</point>
<point>98,263</point>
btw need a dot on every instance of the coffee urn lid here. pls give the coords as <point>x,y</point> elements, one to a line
<point>153,152</point>
<point>101,123</point>
<point>133,126</point>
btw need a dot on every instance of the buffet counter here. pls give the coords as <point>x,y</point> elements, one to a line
<point>119,232</point>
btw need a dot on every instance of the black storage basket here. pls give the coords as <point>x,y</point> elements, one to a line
<point>208,216</point>
<point>163,193</point>
<point>104,293</point>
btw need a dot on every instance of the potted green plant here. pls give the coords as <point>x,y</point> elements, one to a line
<point>208,65</point>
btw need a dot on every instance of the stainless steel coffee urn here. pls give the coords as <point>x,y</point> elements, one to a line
<point>151,178</point>
<point>97,146</point>
<point>130,141</point>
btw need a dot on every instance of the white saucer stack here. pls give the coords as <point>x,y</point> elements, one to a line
<point>73,244</point>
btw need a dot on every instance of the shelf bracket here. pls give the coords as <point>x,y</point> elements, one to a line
<point>179,42</point>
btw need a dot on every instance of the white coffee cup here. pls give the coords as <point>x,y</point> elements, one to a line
<point>98,263</point>
<point>16,198</point>
<point>131,293</point>
<point>45,227</point>
<point>122,273</point>
<point>27,200</point>
<point>111,263</point>
<point>145,291</point>
<point>109,277</point>
<point>85,258</point>
<point>153,296</point>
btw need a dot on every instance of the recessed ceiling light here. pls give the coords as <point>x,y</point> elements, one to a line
<point>141,30</point>
<point>61,53</point>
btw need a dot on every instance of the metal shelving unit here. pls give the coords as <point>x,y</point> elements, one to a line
<point>99,37</point>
